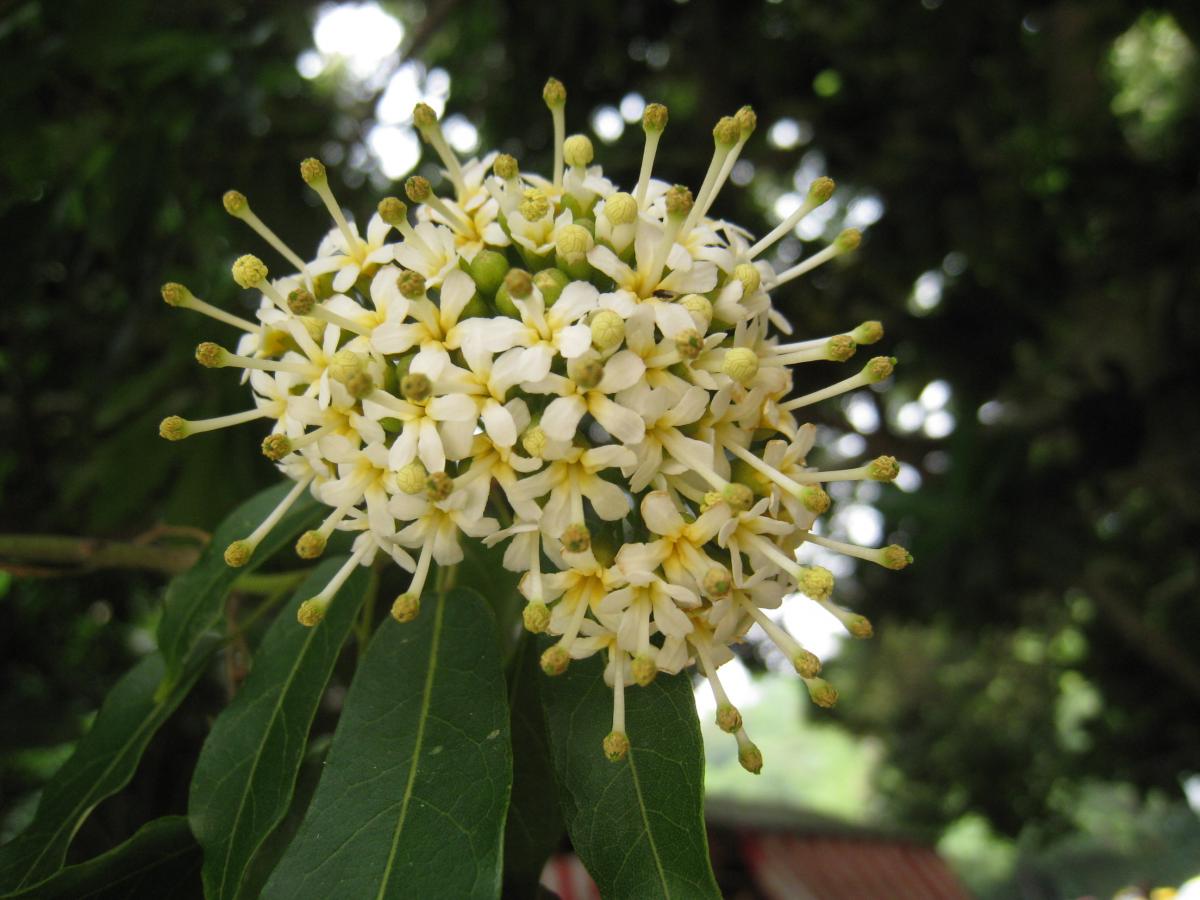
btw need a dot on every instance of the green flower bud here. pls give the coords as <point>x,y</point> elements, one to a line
<point>620,209</point>
<point>700,307</point>
<point>608,330</point>
<point>249,271</point>
<point>551,283</point>
<point>411,478</point>
<point>487,270</point>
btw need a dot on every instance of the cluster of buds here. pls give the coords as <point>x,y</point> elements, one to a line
<point>584,374</point>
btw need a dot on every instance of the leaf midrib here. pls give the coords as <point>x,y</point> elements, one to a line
<point>637,790</point>
<point>422,717</point>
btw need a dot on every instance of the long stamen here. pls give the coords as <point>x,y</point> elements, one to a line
<point>427,123</point>
<point>892,556</point>
<point>239,552</point>
<point>882,468</point>
<point>680,203</point>
<point>175,294</point>
<point>394,211</point>
<point>818,193</point>
<point>312,611</point>
<point>729,719</point>
<point>616,744</point>
<point>866,333</point>
<point>238,206</point>
<point>654,121</point>
<point>555,95</point>
<point>419,190</point>
<point>725,136</point>
<point>838,348</point>
<point>313,173</point>
<point>876,370</point>
<point>174,428</point>
<point>845,242</point>
<point>805,663</point>
<point>301,302</point>
<point>747,122</point>
<point>214,356</point>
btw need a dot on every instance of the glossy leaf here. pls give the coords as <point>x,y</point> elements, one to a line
<point>101,765</point>
<point>194,599</point>
<point>242,786</point>
<point>535,825</point>
<point>413,798</point>
<point>160,862</point>
<point>637,824</point>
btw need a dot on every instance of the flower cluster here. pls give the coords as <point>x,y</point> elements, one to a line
<point>582,374</point>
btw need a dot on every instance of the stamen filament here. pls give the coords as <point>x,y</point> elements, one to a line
<point>278,512</point>
<point>651,148</point>
<point>274,240</point>
<point>841,387</point>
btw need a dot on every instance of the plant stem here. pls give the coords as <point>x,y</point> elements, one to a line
<point>51,554</point>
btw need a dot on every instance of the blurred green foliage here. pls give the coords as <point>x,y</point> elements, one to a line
<point>1035,160</point>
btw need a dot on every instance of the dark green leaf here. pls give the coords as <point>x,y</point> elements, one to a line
<point>160,862</point>
<point>242,786</point>
<point>193,603</point>
<point>413,799</point>
<point>535,825</point>
<point>482,569</point>
<point>101,765</point>
<point>638,825</point>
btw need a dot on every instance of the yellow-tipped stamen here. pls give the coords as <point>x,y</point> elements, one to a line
<point>845,242</point>
<point>859,626</point>
<point>749,756</point>
<point>823,693</point>
<point>882,468</point>
<point>680,203</point>
<point>302,303</point>
<point>876,370</point>
<point>804,662</point>
<point>747,122</point>
<point>175,428</point>
<point>555,95</point>
<point>838,348</point>
<point>212,356</point>
<point>313,172</point>
<point>892,556</point>
<point>427,123</point>
<point>728,718</point>
<point>654,120</point>
<point>616,744</point>
<point>725,135</point>
<point>419,190</point>
<point>394,211</point>
<point>312,611</point>
<point>818,193</point>
<point>175,294</point>
<point>238,206</point>
<point>864,334</point>
<point>247,545</point>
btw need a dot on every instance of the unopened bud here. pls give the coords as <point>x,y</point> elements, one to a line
<point>406,607</point>
<point>210,355</point>
<point>311,612</point>
<point>235,203</point>
<point>616,745</point>
<point>534,441</point>
<point>438,486</point>
<point>576,538</point>
<point>344,365</point>
<point>555,660</point>
<point>534,205</point>
<point>729,719</point>
<point>393,210</point>
<point>551,283</point>
<point>360,385</point>
<point>608,329</point>
<point>312,171</point>
<point>536,617</point>
<point>740,364</point>
<point>415,387</point>
<point>679,201</point>
<point>815,582</point>
<point>310,545</point>
<point>700,307</point>
<point>620,208</point>
<point>411,478</point>
<point>238,554</point>
<point>578,150</point>
<point>883,468</point>
<point>518,283</point>
<point>554,93</point>
<point>487,270</point>
<point>572,243</point>
<point>249,271</point>
<point>654,117</point>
